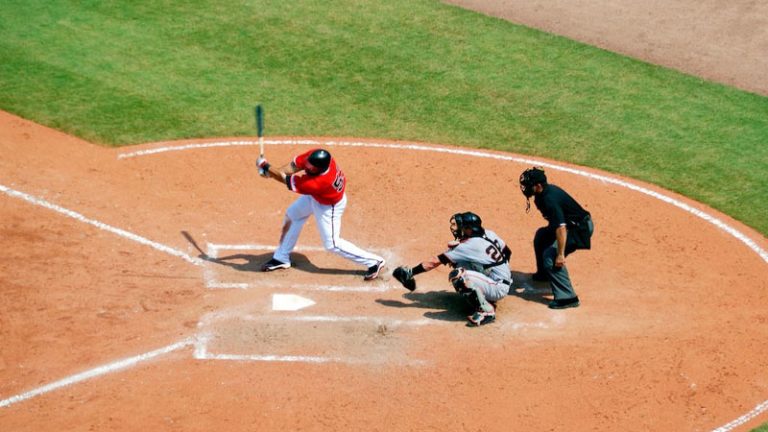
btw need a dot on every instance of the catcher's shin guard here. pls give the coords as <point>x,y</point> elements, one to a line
<point>472,298</point>
<point>472,295</point>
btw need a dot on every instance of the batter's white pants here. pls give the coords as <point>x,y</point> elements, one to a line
<point>328,219</point>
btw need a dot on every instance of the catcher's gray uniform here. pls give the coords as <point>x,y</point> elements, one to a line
<point>485,267</point>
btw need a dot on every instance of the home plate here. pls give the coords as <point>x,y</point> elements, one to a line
<point>290,302</point>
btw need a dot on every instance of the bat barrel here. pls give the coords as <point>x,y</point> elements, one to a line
<point>260,120</point>
<point>260,128</point>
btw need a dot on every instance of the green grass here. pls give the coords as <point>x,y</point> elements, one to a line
<point>120,73</point>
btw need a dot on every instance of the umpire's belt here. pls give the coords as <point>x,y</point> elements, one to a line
<point>581,223</point>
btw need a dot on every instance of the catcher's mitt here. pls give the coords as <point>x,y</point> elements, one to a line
<point>404,275</point>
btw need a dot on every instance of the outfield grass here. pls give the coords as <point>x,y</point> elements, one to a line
<point>120,73</point>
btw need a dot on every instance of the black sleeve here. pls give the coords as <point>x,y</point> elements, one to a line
<point>444,260</point>
<point>288,181</point>
<point>552,210</point>
<point>558,216</point>
<point>507,252</point>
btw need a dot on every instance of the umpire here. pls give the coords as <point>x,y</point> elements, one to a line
<point>570,228</point>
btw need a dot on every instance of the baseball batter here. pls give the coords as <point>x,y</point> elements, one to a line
<point>480,261</point>
<point>322,185</point>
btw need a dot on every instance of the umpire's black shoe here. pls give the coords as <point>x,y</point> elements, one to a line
<point>374,270</point>
<point>564,303</point>
<point>273,265</point>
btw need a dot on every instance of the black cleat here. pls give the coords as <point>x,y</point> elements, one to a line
<point>273,265</point>
<point>564,303</point>
<point>374,270</point>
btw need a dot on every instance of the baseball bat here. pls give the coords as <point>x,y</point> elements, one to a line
<point>260,128</point>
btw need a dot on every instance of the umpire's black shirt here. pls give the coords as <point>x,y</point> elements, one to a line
<point>558,207</point>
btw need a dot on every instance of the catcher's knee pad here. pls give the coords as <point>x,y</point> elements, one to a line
<point>456,277</point>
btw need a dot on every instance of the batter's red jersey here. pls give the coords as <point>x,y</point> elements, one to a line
<point>327,188</point>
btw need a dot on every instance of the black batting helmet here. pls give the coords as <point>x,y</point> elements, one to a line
<point>531,177</point>
<point>320,160</point>
<point>467,220</point>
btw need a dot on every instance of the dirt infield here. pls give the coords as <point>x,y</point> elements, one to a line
<point>111,321</point>
<point>726,42</point>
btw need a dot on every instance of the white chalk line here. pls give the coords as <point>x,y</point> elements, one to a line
<point>756,411</point>
<point>211,281</point>
<point>92,373</point>
<point>241,313</point>
<point>112,367</point>
<point>271,358</point>
<point>346,319</point>
<point>100,225</point>
<point>475,153</point>
<point>297,359</point>
<point>213,249</point>
<point>238,313</point>
<point>134,360</point>
<point>751,244</point>
<point>374,287</point>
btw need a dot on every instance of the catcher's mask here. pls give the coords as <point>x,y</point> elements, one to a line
<point>531,177</point>
<point>460,222</point>
<point>318,161</point>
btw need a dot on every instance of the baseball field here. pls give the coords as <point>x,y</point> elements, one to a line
<point>133,222</point>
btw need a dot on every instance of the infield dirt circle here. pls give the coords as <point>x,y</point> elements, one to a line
<point>95,270</point>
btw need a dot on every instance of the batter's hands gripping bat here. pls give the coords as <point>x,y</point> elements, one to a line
<point>261,163</point>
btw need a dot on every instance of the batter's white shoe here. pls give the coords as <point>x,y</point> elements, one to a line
<point>273,265</point>
<point>374,270</point>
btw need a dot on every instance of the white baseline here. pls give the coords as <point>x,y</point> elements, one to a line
<point>101,370</point>
<point>474,153</point>
<point>120,232</point>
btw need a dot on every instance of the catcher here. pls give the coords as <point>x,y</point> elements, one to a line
<point>480,272</point>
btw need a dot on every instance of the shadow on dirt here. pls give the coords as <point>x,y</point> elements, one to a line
<point>253,262</point>
<point>524,287</point>
<point>454,308</point>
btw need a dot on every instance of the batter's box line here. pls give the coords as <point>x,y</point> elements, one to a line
<point>239,312</point>
<point>202,340</point>
<point>212,282</point>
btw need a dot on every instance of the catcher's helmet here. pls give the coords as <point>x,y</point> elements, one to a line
<point>531,177</point>
<point>463,222</point>
<point>320,160</point>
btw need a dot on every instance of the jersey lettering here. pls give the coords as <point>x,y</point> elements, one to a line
<point>493,252</point>
<point>338,183</point>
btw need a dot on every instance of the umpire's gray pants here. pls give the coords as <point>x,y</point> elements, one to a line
<point>559,280</point>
